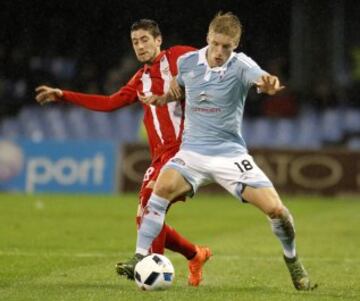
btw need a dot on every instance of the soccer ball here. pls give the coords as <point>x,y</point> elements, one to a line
<point>154,272</point>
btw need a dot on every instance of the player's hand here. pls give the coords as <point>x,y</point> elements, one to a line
<point>45,94</point>
<point>269,84</point>
<point>157,100</point>
<point>175,91</point>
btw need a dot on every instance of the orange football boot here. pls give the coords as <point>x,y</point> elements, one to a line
<point>195,265</point>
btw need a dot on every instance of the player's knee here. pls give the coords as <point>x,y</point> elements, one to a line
<point>276,211</point>
<point>165,189</point>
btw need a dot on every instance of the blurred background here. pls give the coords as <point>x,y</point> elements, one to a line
<point>306,138</point>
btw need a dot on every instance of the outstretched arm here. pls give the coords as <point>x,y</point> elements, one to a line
<point>269,84</point>
<point>125,96</point>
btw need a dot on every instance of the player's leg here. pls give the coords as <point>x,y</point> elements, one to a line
<point>159,242</point>
<point>196,255</point>
<point>153,216</point>
<point>282,225</point>
<point>170,239</point>
<point>178,178</point>
<point>163,189</point>
<point>125,268</point>
<point>187,249</point>
<point>245,180</point>
<point>169,185</point>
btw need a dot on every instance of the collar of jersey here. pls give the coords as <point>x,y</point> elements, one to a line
<point>203,61</point>
<point>147,67</point>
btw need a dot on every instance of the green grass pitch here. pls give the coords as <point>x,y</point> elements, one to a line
<point>63,247</point>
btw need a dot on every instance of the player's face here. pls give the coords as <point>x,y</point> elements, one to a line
<point>146,47</point>
<point>220,48</point>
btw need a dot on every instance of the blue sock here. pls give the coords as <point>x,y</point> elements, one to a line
<point>151,224</point>
<point>283,227</point>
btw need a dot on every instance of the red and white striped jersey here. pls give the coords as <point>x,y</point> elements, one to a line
<point>164,124</point>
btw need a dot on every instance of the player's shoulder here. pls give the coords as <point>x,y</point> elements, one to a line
<point>136,77</point>
<point>244,60</point>
<point>188,58</point>
<point>179,50</point>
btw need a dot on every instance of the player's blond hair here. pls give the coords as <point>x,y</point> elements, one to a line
<point>228,24</point>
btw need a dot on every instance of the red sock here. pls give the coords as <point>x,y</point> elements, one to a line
<point>177,243</point>
<point>158,245</point>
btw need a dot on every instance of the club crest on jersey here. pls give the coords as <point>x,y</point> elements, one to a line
<point>178,161</point>
<point>203,96</point>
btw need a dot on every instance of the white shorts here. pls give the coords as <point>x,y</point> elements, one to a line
<point>232,173</point>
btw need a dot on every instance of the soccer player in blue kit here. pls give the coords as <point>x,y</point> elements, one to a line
<point>216,82</point>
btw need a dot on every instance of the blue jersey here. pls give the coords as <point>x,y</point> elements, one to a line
<point>215,99</point>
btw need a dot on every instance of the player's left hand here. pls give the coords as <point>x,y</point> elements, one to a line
<point>269,84</point>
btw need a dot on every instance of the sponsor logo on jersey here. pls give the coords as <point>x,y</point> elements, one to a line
<point>205,110</point>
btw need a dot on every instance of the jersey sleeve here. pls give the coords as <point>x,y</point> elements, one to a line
<point>125,96</point>
<point>179,50</point>
<point>249,71</point>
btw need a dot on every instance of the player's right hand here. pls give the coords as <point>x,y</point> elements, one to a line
<point>45,94</point>
<point>175,91</point>
<point>156,100</point>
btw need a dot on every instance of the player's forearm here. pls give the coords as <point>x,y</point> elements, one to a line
<point>166,98</point>
<point>95,102</point>
<point>169,97</point>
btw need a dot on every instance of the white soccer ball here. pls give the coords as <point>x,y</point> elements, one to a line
<point>154,272</point>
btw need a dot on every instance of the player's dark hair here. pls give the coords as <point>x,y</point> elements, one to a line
<point>148,25</point>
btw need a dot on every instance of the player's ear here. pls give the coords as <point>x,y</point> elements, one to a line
<point>235,43</point>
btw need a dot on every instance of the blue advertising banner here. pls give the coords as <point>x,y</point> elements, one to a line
<point>52,166</point>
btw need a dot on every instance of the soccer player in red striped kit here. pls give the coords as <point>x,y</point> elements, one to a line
<point>164,126</point>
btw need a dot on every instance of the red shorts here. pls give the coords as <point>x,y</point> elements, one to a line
<point>153,172</point>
